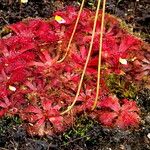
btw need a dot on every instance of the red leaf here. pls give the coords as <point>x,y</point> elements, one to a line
<point>127,119</point>
<point>47,105</point>
<point>111,103</point>
<point>129,42</point>
<point>4,106</point>
<point>107,118</point>
<point>69,14</point>
<point>117,116</point>
<point>129,106</point>
<point>33,109</point>
<point>18,75</point>
<point>2,112</point>
<point>57,122</point>
<point>18,28</point>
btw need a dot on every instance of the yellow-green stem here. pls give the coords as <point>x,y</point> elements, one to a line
<point>87,60</point>
<point>100,54</point>
<point>73,32</point>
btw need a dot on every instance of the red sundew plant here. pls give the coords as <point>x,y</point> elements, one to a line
<point>112,114</point>
<point>38,89</point>
<point>41,118</point>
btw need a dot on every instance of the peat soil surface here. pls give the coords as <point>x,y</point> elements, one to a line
<point>86,134</point>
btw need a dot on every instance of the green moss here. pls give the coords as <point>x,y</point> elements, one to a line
<point>80,130</point>
<point>121,87</point>
<point>8,122</point>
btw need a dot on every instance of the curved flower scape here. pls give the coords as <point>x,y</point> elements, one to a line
<point>37,88</point>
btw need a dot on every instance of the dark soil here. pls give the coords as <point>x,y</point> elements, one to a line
<point>86,133</point>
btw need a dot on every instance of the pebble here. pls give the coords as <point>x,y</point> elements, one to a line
<point>148,135</point>
<point>147,118</point>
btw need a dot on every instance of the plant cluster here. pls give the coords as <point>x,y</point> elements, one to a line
<point>37,88</point>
